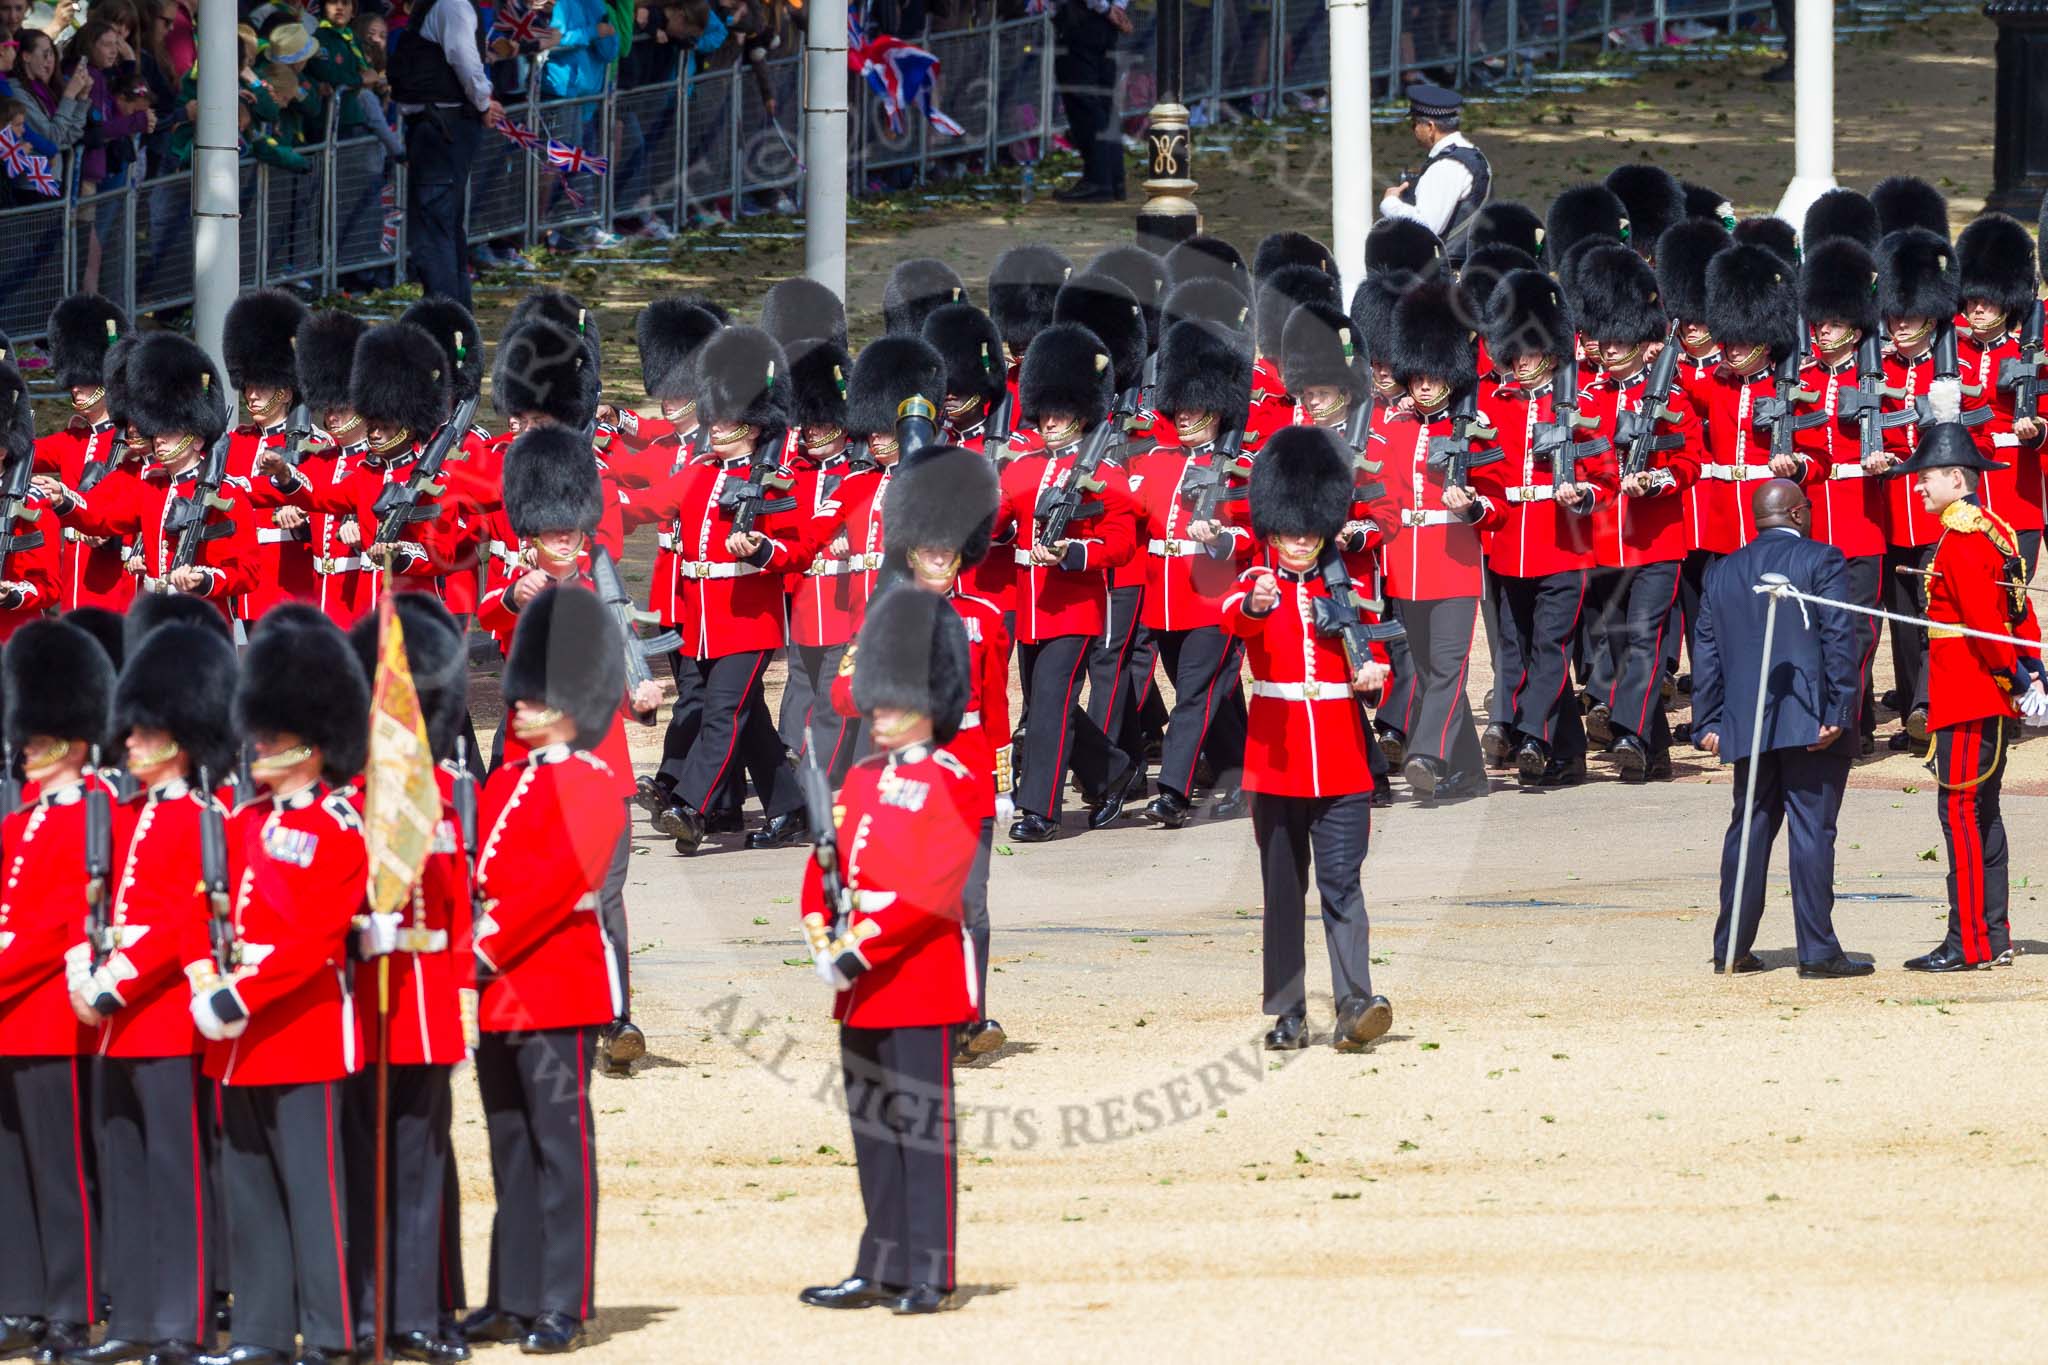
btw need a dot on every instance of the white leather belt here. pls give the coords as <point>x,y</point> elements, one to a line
<point>970,720</point>
<point>279,535</point>
<point>867,563</point>
<point>1024,558</point>
<point>2004,440</point>
<point>1845,471</point>
<point>326,565</point>
<point>74,535</point>
<point>422,940</point>
<point>665,539</point>
<point>701,568</point>
<point>1301,691</point>
<point>1736,473</point>
<point>1175,549</point>
<point>1533,492</point>
<point>1426,517</point>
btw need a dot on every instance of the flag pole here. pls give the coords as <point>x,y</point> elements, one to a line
<point>383,1192</point>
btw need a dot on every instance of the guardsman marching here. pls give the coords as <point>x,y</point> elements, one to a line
<point>174,713</point>
<point>59,689</point>
<point>821,599</point>
<point>276,1006</point>
<point>1023,285</point>
<point>1305,759</point>
<point>470,474</point>
<point>1683,253</point>
<point>1977,689</point>
<point>84,328</point>
<point>29,559</point>
<point>1996,284</point>
<point>256,347</point>
<point>979,416</point>
<point>897,952</point>
<point>548,824</point>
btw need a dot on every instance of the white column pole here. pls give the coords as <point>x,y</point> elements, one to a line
<point>216,177</point>
<point>825,141</point>
<point>1813,85</point>
<point>1351,202</point>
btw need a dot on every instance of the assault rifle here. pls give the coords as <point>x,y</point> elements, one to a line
<point>463,797</point>
<point>1058,508</point>
<point>1947,366</point>
<point>213,880</point>
<point>1207,488</point>
<point>187,518</point>
<point>1774,414</point>
<point>2022,373</point>
<point>1452,456</point>
<point>1555,440</point>
<point>90,477</point>
<point>1339,616</point>
<point>400,505</point>
<point>1863,401</point>
<point>10,783</point>
<point>817,794</point>
<point>99,871</point>
<point>611,590</point>
<point>1635,433</point>
<point>747,499</point>
<point>14,491</point>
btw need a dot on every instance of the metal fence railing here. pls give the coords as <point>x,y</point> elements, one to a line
<point>725,141</point>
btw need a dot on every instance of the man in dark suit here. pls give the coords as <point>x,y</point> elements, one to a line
<point>1812,691</point>
<point>1085,68</point>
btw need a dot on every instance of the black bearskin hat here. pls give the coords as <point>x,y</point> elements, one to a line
<point>181,680</point>
<point>1916,276</point>
<point>1205,368</point>
<point>1580,212</point>
<point>1774,235</point>
<point>1109,310</point>
<point>256,339</point>
<point>669,332</point>
<point>911,654</point>
<point>326,351</point>
<point>1302,484</point>
<point>551,482</point>
<point>1750,301</point>
<point>1568,269</point>
<point>1207,300</point>
<point>1483,270</point>
<point>972,349</point>
<point>1527,316</point>
<point>83,328</point>
<point>2041,236</point>
<point>1403,248</point>
<point>566,653</point>
<point>104,626</point>
<point>1066,370</point>
<point>60,684</point>
<point>914,288</point>
<point>564,310</point>
<point>151,610</point>
<point>303,679</point>
<point>1838,283</point>
<point>743,376</point>
<point>888,371</point>
<point>1617,298</point>
<point>1281,292</point>
<point>1022,285</point>
<point>450,324</point>
<point>1372,313</point>
<point>1654,200</point>
<point>1682,255</point>
<point>1288,247</point>
<point>1906,201</point>
<point>1430,339</point>
<point>1139,271</point>
<point>114,374</point>
<point>801,309</point>
<point>1503,222</point>
<point>1203,257</point>
<point>1319,348</point>
<point>1995,261</point>
<point>1703,201</point>
<point>400,379</point>
<point>173,387</point>
<point>818,377</point>
<point>943,495</point>
<point>545,367</point>
<point>1840,213</point>
<point>438,656</point>
<point>17,415</point>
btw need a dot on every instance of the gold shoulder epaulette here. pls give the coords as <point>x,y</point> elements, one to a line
<point>1964,516</point>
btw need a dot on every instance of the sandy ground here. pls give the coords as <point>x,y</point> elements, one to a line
<point>1577,1143</point>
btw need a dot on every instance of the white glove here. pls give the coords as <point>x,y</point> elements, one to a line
<point>104,984</point>
<point>2034,706</point>
<point>220,1015</point>
<point>78,971</point>
<point>1006,809</point>
<point>827,963</point>
<point>378,936</point>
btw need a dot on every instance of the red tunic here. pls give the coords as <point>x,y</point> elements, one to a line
<point>42,916</point>
<point>831,594</point>
<point>548,822</point>
<point>87,575</point>
<point>445,544</point>
<point>1632,531</point>
<point>1907,524</point>
<point>159,909</point>
<point>993,580</point>
<point>1968,678</point>
<point>723,606</point>
<point>1737,455</point>
<point>1184,583</point>
<point>1848,502</point>
<point>1432,554</point>
<point>1052,602</point>
<point>2010,494</point>
<point>435,965</point>
<point>33,571</point>
<point>1536,536</point>
<point>1272,407</point>
<point>132,507</point>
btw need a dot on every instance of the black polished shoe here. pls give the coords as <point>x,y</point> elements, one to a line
<point>246,1355</point>
<point>782,831</point>
<point>1899,742</point>
<point>1916,725</point>
<point>111,1350</point>
<point>1169,808</point>
<point>1106,814</point>
<point>1382,797</point>
<point>851,1292</point>
<point>1599,724</point>
<point>680,822</point>
<point>1360,1020</point>
<point>1838,965</point>
<point>1559,773</point>
<point>981,1038</point>
<point>923,1298</point>
<point>1227,805</point>
<point>1424,774</point>
<point>1531,762</point>
<point>652,796</point>
<point>624,1044</point>
<point>1660,767</point>
<point>1681,733</point>
<point>553,1334</point>
<point>1289,1032</point>
<point>1463,786</point>
<point>59,1339</point>
<point>324,1355</point>
<point>173,1353</point>
<point>1744,965</point>
<point>1498,745</point>
<point>1943,959</point>
<point>1631,756</point>
<point>488,1326</point>
<point>1085,192</point>
<point>427,1346</point>
<point>1867,745</point>
<point>1032,828</point>
<point>1394,745</point>
<point>725,822</point>
<point>16,1336</point>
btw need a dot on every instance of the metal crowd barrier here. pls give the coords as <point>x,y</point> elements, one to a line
<point>706,143</point>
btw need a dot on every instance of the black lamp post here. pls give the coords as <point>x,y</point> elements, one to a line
<point>2019,156</point>
<point>1169,214</point>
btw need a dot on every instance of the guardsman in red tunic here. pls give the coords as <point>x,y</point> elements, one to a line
<point>1639,531</point>
<point>433,1011</point>
<point>1305,760</point>
<point>1978,689</point>
<point>549,822</point>
<point>174,713</point>
<point>29,560</point>
<point>942,510</point>
<point>1995,263</point>
<point>1063,595</point>
<point>59,687</point>
<point>1683,253</point>
<point>896,950</point>
<point>978,416</point>
<point>257,351</point>
<point>1023,284</point>
<point>84,328</point>
<point>827,464</point>
<point>175,399</point>
<point>471,471</point>
<point>1540,556</point>
<point>281,1021</point>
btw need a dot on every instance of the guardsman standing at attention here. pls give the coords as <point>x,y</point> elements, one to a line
<point>894,948</point>
<point>1977,689</point>
<point>59,689</point>
<point>280,1019</point>
<point>547,826</point>
<point>1305,761</point>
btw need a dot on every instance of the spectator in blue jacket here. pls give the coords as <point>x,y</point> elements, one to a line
<point>577,64</point>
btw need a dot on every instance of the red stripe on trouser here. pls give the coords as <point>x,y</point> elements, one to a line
<point>952,1155</point>
<point>739,718</point>
<point>348,1329</point>
<point>1656,683</point>
<point>1224,669</point>
<point>84,1196</point>
<point>1564,651</point>
<point>583,1144</point>
<point>204,1317</point>
<point>1066,724</point>
<point>1966,850</point>
<point>1443,741</point>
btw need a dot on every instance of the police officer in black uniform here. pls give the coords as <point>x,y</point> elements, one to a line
<point>1454,179</point>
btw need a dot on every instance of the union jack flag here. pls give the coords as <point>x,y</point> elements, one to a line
<point>524,137</point>
<point>39,177</point>
<point>387,238</point>
<point>902,75</point>
<point>26,165</point>
<point>574,160</point>
<point>521,27</point>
